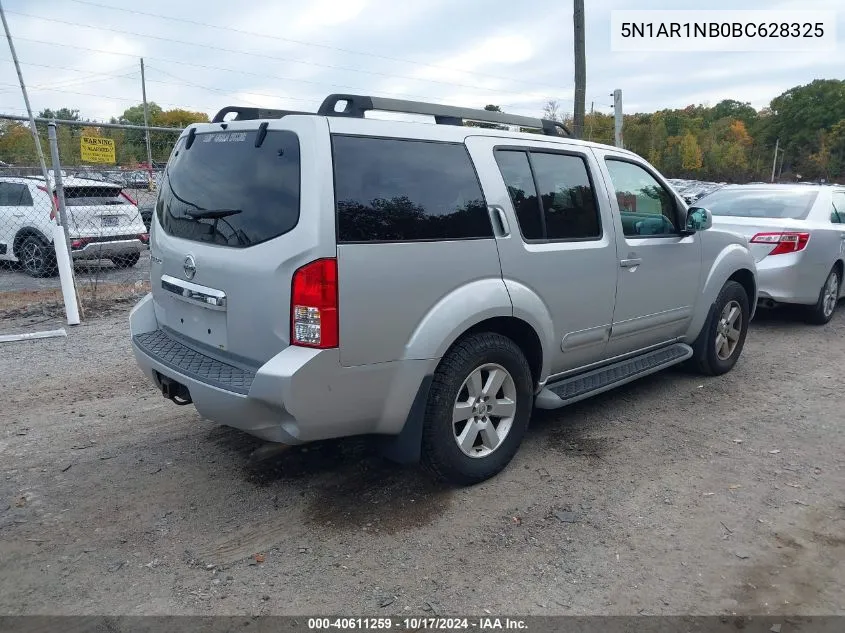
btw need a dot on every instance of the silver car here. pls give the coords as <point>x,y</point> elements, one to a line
<point>323,275</point>
<point>797,237</point>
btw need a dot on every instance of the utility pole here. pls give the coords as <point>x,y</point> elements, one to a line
<point>580,69</point>
<point>147,128</point>
<point>617,117</point>
<point>775,161</point>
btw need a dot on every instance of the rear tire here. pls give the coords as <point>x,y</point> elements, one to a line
<point>824,309</point>
<point>720,343</point>
<point>478,409</point>
<point>126,261</point>
<point>37,257</point>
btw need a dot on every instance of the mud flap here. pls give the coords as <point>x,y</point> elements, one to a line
<point>405,447</point>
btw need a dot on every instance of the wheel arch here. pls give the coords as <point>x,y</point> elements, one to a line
<point>406,447</point>
<point>746,279</point>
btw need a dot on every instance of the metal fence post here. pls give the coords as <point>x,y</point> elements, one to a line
<point>60,187</point>
<point>65,259</point>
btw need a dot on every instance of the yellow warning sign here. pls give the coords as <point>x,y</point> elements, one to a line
<point>95,149</point>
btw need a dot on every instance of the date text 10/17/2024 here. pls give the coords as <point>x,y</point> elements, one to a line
<point>487,623</point>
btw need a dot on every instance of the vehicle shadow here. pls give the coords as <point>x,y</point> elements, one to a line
<point>789,316</point>
<point>345,483</point>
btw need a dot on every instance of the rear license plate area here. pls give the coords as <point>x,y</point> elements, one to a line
<point>109,220</point>
<point>200,324</point>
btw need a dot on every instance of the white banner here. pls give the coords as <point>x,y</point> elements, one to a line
<point>722,31</point>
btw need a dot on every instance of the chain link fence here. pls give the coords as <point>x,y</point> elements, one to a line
<point>107,209</point>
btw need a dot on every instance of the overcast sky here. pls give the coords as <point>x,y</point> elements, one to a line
<point>290,54</point>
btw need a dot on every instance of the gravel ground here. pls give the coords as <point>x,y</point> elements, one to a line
<point>673,495</point>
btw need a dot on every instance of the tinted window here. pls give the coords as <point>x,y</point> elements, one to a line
<point>14,195</point>
<point>400,190</point>
<point>645,206</point>
<point>516,172</point>
<point>760,203</point>
<point>253,191</point>
<point>568,203</point>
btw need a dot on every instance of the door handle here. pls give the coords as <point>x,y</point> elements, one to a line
<point>630,263</point>
<point>498,216</point>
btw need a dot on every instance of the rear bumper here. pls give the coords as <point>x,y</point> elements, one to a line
<point>789,279</point>
<point>299,395</point>
<point>100,250</point>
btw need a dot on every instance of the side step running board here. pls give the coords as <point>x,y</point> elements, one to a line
<point>575,388</point>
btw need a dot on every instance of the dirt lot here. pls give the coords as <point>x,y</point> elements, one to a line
<point>674,495</point>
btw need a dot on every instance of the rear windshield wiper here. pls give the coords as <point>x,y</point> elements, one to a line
<point>212,214</point>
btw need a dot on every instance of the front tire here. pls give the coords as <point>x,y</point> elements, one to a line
<point>720,343</point>
<point>822,312</point>
<point>478,409</point>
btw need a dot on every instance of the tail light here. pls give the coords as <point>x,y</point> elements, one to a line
<point>131,200</point>
<point>313,306</point>
<point>55,208</point>
<point>144,237</point>
<point>75,244</point>
<point>783,242</point>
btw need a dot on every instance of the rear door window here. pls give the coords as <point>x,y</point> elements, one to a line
<point>396,190</point>
<point>566,208</point>
<point>225,190</point>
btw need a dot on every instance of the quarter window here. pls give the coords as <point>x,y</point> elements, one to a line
<point>646,207</point>
<point>394,190</point>
<point>14,194</point>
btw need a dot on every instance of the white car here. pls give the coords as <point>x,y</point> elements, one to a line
<point>103,223</point>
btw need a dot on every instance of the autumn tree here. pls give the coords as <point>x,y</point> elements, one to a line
<point>691,156</point>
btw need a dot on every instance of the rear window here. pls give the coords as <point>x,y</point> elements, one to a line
<point>390,190</point>
<point>760,203</point>
<point>225,190</point>
<point>84,195</point>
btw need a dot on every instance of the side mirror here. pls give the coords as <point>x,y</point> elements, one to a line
<point>698,219</point>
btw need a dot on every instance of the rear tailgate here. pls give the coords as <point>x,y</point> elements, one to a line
<point>100,210</point>
<point>238,212</point>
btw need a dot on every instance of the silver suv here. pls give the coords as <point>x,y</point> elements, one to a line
<point>325,275</point>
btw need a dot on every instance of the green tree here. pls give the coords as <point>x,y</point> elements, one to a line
<point>800,115</point>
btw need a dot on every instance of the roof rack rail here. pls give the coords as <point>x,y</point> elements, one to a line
<point>246,114</point>
<point>356,105</point>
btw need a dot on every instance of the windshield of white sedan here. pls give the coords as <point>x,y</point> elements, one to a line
<point>760,203</point>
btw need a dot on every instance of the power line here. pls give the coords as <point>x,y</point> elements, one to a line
<point>221,69</point>
<point>305,43</point>
<point>88,94</point>
<point>262,55</point>
<point>89,76</point>
<point>183,81</point>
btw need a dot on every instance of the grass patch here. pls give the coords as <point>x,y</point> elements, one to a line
<point>96,300</point>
